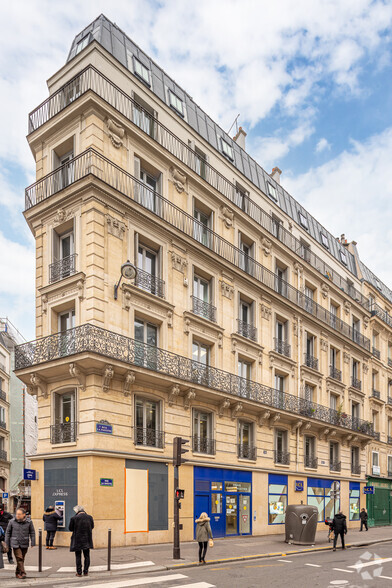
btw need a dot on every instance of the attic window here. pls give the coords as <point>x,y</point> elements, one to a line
<point>303,220</point>
<point>324,240</point>
<point>378,284</point>
<point>272,191</point>
<point>141,71</point>
<point>176,103</point>
<point>343,256</point>
<point>82,43</point>
<point>227,149</point>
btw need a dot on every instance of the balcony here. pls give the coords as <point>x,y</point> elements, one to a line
<point>389,400</point>
<point>376,436</point>
<point>310,361</point>
<point>355,469</point>
<point>89,338</point>
<point>376,353</point>
<point>3,395</point>
<point>63,268</point>
<point>91,163</point>
<point>204,309</point>
<point>310,462</point>
<point>282,347</point>
<point>3,425</point>
<point>149,437</point>
<point>63,433</point>
<point>246,451</point>
<point>3,455</point>
<point>389,440</point>
<point>357,384</point>
<point>376,394</point>
<point>335,466</point>
<point>91,80</point>
<point>335,373</point>
<point>389,362</point>
<point>281,457</point>
<point>203,445</point>
<point>246,330</point>
<point>150,283</point>
<point>382,314</point>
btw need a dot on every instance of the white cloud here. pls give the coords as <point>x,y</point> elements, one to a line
<point>323,145</point>
<point>270,150</point>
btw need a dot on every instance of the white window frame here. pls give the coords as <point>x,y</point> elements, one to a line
<point>271,192</point>
<point>343,256</point>
<point>144,73</point>
<point>80,45</point>
<point>176,103</point>
<point>303,221</point>
<point>324,240</point>
<point>227,149</point>
<point>375,453</point>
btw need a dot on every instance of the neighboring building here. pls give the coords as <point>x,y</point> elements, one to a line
<point>22,422</point>
<point>4,421</point>
<point>247,330</point>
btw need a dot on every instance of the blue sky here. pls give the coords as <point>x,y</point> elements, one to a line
<point>311,80</point>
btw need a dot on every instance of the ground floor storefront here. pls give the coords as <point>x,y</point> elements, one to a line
<point>379,504</point>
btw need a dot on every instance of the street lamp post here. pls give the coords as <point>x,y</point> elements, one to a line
<point>129,272</point>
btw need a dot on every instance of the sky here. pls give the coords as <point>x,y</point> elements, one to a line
<point>311,81</point>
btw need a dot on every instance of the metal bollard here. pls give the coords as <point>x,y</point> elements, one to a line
<point>40,550</point>
<point>109,548</point>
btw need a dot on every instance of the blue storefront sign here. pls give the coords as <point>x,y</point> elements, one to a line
<point>368,490</point>
<point>5,495</point>
<point>29,474</point>
<point>104,428</point>
<point>106,482</point>
<point>299,486</point>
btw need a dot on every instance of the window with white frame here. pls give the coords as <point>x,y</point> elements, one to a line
<point>148,422</point>
<point>82,44</point>
<point>64,417</point>
<point>375,463</point>
<point>246,449</point>
<point>141,71</point>
<point>271,191</point>
<point>203,441</point>
<point>227,149</point>
<point>310,452</point>
<point>202,226</point>
<point>281,447</point>
<point>303,220</point>
<point>324,240</point>
<point>389,466</point>
<point>176,103</point>
<point>343,256</point>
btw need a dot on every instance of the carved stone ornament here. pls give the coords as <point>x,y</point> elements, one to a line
<point>127,298</point>
<point>174,392</point>
<point>170,319</point>
<point>227,289</point>
<point>365,368</point>
<point>128,382</point>
<point>365,322</point>
<point>44,301</point>
<point>236,410</point>
<point>38,386</point>
<point>263,418</point>
<point>187,324</point>
<point>347,306</point>
<point>223,405</point>
<point>266,245</point>
<point>107,377</point>
<point>61,216</point>
<point>266,312</point>
<point>220,340</point>
<point>324,290</point>
<point>298,267</point>
<point>323,433</point>
<point>80,287</point>
<point>346,357</point>
<point>189,396</point>
<point>115,227</point>
<point>116,133</point>
<point>178,263</point>
<point>179,179</point>
<point>76,372</point>
<point>227,216</point>
<point>273,420</point>
<point>324,344</point>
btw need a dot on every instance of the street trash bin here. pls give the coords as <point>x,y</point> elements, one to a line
<point>301,524</point>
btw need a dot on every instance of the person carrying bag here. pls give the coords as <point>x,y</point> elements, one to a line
<point>203,535</point>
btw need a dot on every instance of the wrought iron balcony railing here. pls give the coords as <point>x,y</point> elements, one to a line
<point>58,270</point>
<point>3,425</point>
<point>376,352</point>
<point>376,435</point>
<point>282,347</point>
<point>3,455</point>
<point>203,445</point>
<point>92,163</point>
<point>246,330</point>
<point>389,474</point>
<point>310,361</point>
<point>376,394</point>
<point>310,462</point>
<point>3,395</point>
<point>91,80</point>
<point>355,468</point>
<point>335,466</point>
<point>335,373</point>
<point>93,339</point>
<point>376,310</point>
<point>149,437</point>
<point>389,362</point>
<point>204,309</point>
<point>389,440</point>
<point>356,383</point>
<point>282,457</point>
<point>246,451</point>
<point>63,433</point>
<point>150,283</point>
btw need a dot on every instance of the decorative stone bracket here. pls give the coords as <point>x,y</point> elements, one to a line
<point>38,386</point>
<point>223,405</point>
<point>179,179</point>
<point>227,289</point>
<point>263,418</point>
<point>116,133</point>
<point>107,377</point>
<point>273,420</point>
<point>227,216</point>
<point>266,245</point>
<point>266,312</point>
<point>76,372</point>
<point>128,382</point>
<point>236,410</point>
<point>173,394</point>
<point>115,227</point>
<point>179,263</point>
<point>189,396</point>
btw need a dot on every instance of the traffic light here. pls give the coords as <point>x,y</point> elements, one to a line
<point>179,450</point>
<point>180,494</point>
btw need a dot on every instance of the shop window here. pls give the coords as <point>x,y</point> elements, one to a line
<point>354,501</point>
<point>319,495</point>
<point>277,499</point>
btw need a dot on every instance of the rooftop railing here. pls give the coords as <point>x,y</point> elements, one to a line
<point>90,79</point>
<point>90,162</point>
<point>93,339</point>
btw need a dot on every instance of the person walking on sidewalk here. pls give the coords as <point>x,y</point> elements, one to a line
<point>20,531</point>
<point>5,518</point>
<point>203,534</point>
<point>339,527</point>
<point>364,518</point>
<point>51,519</point>
<point>2,537</point>
<point>82,526</point>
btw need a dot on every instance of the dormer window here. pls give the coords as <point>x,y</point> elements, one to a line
<point>303,220</point>
<point>82,44</point>
<point>227,149</point>
<point>176,103</point>
<point>343,256</point>
<point>272,191</point>
<point>324,240</point>
<point>141,71</point>
<point>378,284</point>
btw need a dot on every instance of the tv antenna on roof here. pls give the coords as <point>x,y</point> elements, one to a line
<point>234,123</point>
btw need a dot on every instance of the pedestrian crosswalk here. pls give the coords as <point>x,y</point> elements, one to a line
<point>113,567</point>
<point>168,580</point>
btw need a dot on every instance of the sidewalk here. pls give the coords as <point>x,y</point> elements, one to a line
<point>60,563</point>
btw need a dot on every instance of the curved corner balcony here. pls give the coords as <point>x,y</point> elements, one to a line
<point>90,163</point>
<point>95,340</point>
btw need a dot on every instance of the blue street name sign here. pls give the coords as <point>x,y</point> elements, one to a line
<point>368,490</point>
<point>106,482</point>
<point>5,495</point>
<point>29,474</point>
<point>103,428</point>
<point>299,486</point>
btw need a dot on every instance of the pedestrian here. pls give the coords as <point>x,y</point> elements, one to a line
<point>5,518</point>
<point>363,515</point>
<point>20,531</point>
<point>2,537</point>
<point>203,534</point>
<point>339,527</point>
<point>81,525</point>
<point>51,519</point>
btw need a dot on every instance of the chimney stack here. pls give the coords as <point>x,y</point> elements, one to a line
<point>275,174</point>
<point>239,138</point>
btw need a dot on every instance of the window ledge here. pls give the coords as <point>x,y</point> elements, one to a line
<point>149,448</point>
<point>245,460</point>
<point>73,444</point>
<point>62,284</point>
<point>283,465</point>
<point>206,455</point>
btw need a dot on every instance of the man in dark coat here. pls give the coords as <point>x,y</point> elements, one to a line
<point>363,515</point>
<point>82,526</point>
<point>20,531</point>
<point>51,519</point>
<point>5,518</point>
<point>339,527</point>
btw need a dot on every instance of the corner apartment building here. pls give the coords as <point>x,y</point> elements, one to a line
<point>5,460</point>
<point>249,329</point>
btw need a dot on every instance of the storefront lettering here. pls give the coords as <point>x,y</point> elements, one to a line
<point>59,492</point>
